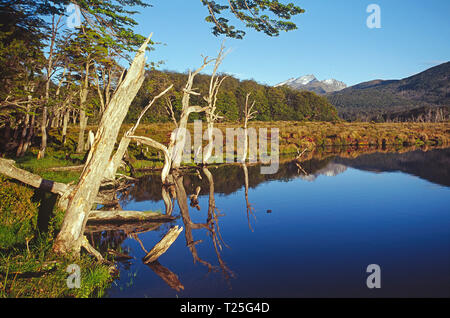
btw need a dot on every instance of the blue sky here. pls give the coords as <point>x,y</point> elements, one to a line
<point>332,41</point>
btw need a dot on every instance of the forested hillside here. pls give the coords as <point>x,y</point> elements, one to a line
<point>272,103</point>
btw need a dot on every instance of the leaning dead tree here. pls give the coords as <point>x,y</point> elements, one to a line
<point>71,236</point>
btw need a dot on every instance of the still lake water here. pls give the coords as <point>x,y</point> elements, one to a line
<point>310,231</point>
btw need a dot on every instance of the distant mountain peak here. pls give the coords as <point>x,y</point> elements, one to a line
<point>310,83</point>
<point>304,80</point>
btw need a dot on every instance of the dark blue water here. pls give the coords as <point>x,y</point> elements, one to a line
<point>312,235</point>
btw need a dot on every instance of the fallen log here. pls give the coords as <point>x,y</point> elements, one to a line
<point>127,216</point>
<point>128,228</point>
<point>67,168</point>
<point>162,246</point>
<point>8,169</point>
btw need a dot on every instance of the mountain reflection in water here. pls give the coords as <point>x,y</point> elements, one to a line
<point>295,233</point>
<point>431,165</point>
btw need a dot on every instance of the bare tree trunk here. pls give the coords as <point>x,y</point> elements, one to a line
<point>65,123</point>
<point>8,169</point>
<point>41,152</point>
<point>71,238</point>
<point>74,116</point>
<point>49,69</point>
<point>83,98</point>
<point>7,134</point>
<point>167,157</point>
<point>174,151</point>
<point>25,130</point>
<point>30,134</point>
<point>55,119</point>
<point>83,124</point>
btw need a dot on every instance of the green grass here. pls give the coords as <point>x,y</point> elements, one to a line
<point>37,273</point>
<point>28,266</point>
<point>52,159</point>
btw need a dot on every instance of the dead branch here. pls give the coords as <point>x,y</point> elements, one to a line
<point>300,154</point>
<point>162,246</point>
<point>170,112</point>
<point>211,110</point>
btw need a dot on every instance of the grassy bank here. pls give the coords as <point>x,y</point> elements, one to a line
<point>317,137</point>
<point>320,134</point>
<point>28,267</point>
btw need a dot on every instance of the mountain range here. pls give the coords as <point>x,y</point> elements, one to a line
<point>312,84</point>
<point>424,96</point>
<point>427,91</point>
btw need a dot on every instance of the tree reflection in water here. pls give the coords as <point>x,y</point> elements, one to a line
<point>250,208</point>
<point>109,237</point>
<point>186,187</point>
<point>211,224</point>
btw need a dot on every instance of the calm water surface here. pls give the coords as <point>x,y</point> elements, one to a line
<point>309,231</point>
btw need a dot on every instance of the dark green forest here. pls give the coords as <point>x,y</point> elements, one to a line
<point>271,103</point>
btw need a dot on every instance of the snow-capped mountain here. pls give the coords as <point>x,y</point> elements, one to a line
<point>310,83</point>
<point>303,80</point>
